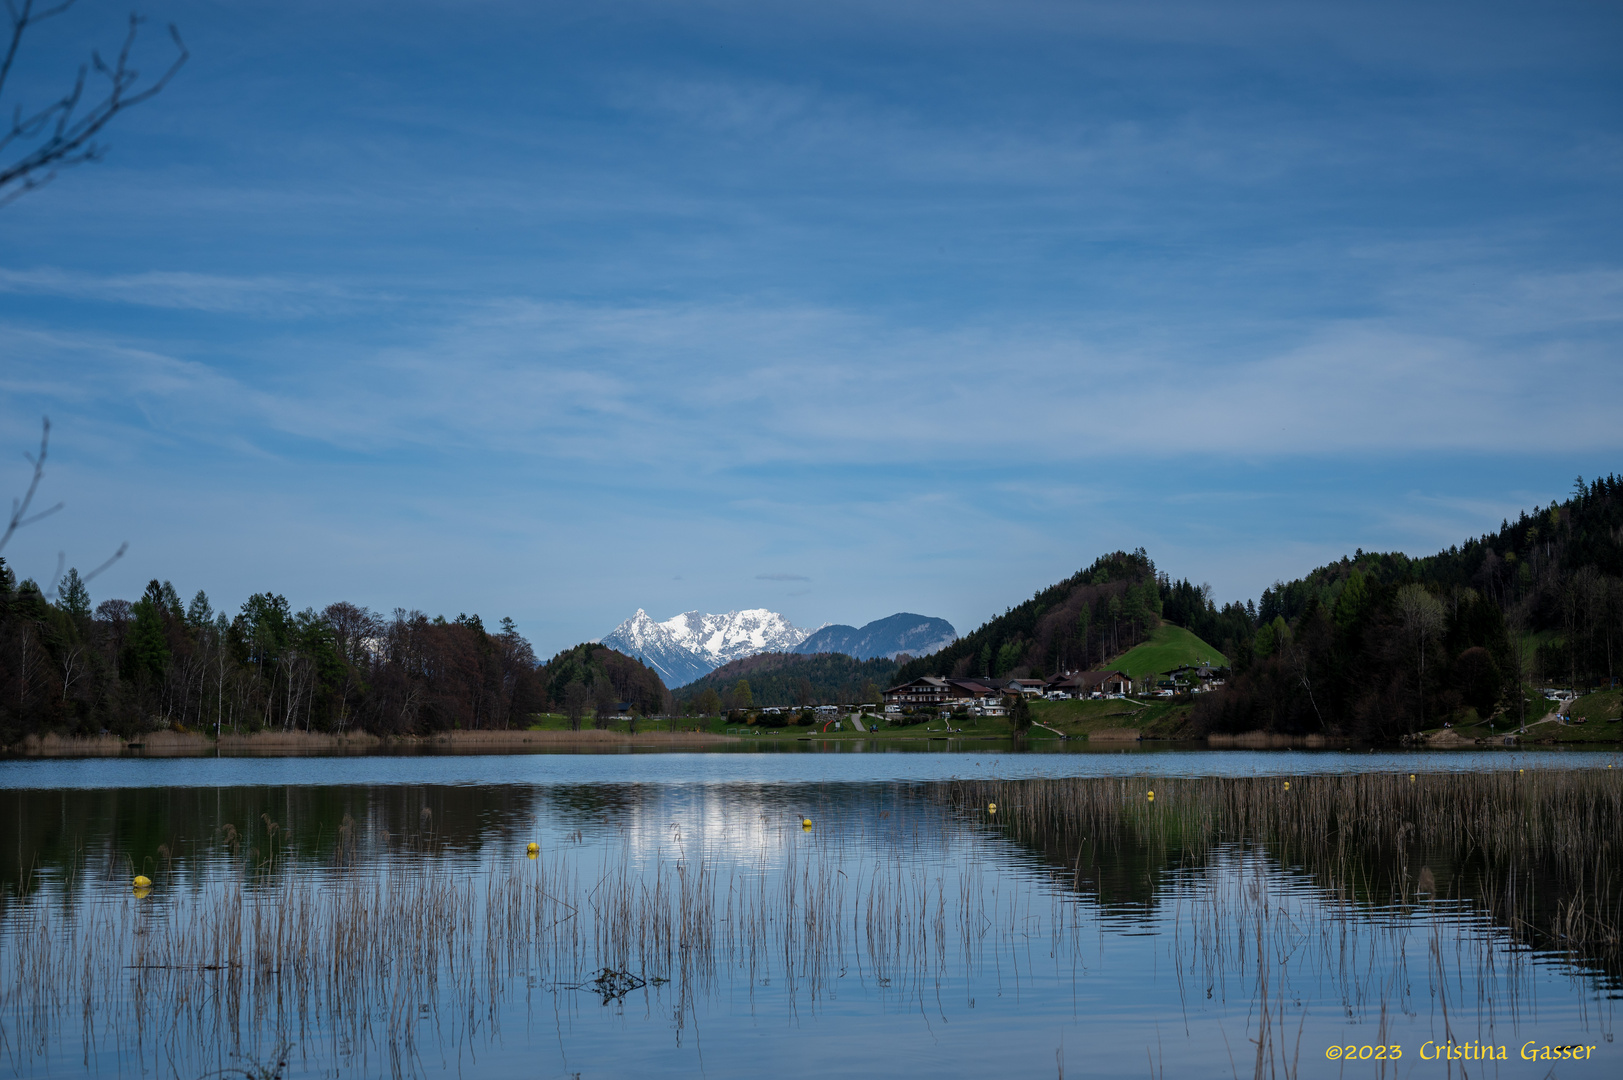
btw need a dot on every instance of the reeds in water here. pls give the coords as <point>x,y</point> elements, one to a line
<point>1344,885</point>
<point>1541,852</point>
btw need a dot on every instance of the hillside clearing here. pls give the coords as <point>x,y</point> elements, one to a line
<point>1169,646</point>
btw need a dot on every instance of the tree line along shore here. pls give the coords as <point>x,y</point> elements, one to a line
<point>1376,647</point>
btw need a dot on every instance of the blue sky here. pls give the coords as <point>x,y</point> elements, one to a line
<point>557,311</point>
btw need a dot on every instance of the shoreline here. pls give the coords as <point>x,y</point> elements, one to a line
<point>165,744</point>
<point>296,743</point>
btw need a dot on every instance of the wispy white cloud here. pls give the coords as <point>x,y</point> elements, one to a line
<point>713,386</point>
<point>269,297</point>
<point>797,384</point>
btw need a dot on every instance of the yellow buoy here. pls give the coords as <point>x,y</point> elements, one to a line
<point>805,823</point>
<point>533,849</point>
<point>1411,778</point>
<point>1152,796</point>
<point>142,882</point>
<point>991,808</point>
<point>1287,785</point>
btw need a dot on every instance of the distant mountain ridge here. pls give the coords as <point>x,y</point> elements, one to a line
<point>904,632</point>
<point>693,644</point>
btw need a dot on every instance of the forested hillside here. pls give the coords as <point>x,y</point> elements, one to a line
<point>127,667</point>
<point>1079,623</point>
<point>1374,645</point>
<point>593,677</point>
<point>783,679</point>
<point>1380,645</point>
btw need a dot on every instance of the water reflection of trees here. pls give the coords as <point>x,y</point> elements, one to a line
<point>56,837</point>
<point>371,906</point>
<point>1539,853</point>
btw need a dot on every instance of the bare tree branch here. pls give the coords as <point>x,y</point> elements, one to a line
<point>21,21</point>
<point>63,133</point>
<point>20,516</point>
<point>19,507</point>
<point>117,555</point>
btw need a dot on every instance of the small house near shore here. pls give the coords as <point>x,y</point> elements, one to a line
<point>928,691</point>
<point>1086,684</point>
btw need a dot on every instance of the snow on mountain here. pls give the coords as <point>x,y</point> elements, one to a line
<point>693,644</point>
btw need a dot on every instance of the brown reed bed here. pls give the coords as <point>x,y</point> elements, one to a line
<point>1369,885</point>
<point>1539,851</point>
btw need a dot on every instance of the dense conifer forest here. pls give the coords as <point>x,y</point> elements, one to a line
<point>1379,645</point>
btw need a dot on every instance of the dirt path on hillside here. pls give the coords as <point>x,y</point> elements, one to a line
<point>1554,716</point>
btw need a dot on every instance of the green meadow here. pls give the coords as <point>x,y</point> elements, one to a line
<point>1168,647</point>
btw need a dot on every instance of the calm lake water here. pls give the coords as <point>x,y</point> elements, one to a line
<point>375,916</point>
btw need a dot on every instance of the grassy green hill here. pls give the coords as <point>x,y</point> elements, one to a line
<point>1604,705</point>
<point>1085,719</point>
<point>1168,647</point>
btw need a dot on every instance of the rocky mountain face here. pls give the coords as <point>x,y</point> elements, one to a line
<point>693,644</point>
<point>916,635</point>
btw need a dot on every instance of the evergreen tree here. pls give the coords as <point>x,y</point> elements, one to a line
<point>1352,602</point>
<point>146,648</point>
<point>73,596</point>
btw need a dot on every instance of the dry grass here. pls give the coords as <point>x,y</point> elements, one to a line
<point>497,741</point>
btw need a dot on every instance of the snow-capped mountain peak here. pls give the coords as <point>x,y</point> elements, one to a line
<point>638,630</point>
<point>693,644</point>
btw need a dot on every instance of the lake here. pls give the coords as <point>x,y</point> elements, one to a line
<point>1128,912</point>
